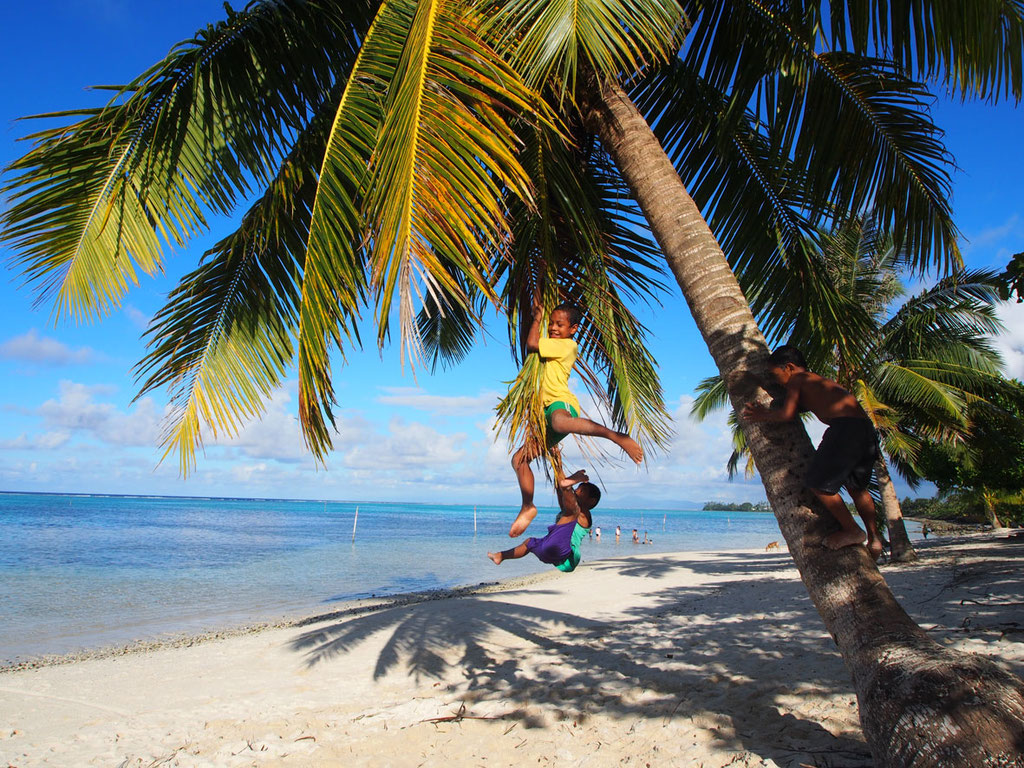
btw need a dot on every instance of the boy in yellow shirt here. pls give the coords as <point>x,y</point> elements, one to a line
<point>561,408</point>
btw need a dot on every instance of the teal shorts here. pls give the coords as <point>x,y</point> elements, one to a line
<point>554,438</point>
<point>570,563</point>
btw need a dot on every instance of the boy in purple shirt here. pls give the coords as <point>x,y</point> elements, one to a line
<point>560,547</point>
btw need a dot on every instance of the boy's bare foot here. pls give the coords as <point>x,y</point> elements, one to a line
<point>845,538</point>
<point>874,548</point>
<point>523,520</point>
<point>496,557</point>
<point>631,447</point>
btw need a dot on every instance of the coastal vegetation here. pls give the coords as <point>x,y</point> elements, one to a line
<point>743,506</point>
<point>420,158</point>
<point>965,507</point>
<point>985,471</point>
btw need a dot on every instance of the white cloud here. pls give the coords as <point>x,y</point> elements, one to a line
<point>993,246</point>
<point>138,318</point>
<point>47,441</point>
<point>31,347</point>
<point>407,446</point>
<point>415,397</point>
<point>1010,343</point>
<point>76,411</point>
<point>401,459</point>
<point>996,234</point>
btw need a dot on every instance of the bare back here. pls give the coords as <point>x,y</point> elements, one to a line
<point>822,397</point>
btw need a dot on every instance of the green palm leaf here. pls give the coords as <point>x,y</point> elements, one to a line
<point>419,160</point>
<point>552,39</point>
<point>771,79</point>
<point>223,341</point>
<point>94,202</point>
<point>974,48</point>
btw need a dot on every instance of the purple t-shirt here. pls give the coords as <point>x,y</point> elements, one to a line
<point>556,547</point>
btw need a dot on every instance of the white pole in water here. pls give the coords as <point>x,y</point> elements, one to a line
<point>474,518</point>
<point>663,521</point>
<point>356,520</point>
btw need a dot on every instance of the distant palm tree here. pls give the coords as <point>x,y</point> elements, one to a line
<point>914,368</point>
<point>388,140</point>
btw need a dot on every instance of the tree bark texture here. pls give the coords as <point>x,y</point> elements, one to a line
<point>920,704</point>
<point>899,542</point>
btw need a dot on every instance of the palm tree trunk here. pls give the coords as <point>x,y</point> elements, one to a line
<point>990,508</point>
<point>920,704</point>
<point>899,542</point>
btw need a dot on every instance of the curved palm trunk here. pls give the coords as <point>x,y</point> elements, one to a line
<point>899,542</point>
<point>920,704</point>
<point>990,508</point>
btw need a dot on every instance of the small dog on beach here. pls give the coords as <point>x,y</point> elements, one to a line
<point>771,545</point>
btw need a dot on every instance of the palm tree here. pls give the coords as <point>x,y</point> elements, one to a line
<point>914,372</point>
<point>387,138</point>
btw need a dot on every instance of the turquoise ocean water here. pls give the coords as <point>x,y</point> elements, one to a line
<point>80,572</point>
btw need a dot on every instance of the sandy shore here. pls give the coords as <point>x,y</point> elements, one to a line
<point>691,659</point>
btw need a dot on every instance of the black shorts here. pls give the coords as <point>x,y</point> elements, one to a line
<point>845,456</point>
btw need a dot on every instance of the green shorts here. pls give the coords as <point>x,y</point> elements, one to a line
<point>570,563</point>
<point>554,438</point>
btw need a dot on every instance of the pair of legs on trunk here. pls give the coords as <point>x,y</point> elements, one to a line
<point>560,424</point>
<point>850,533</point>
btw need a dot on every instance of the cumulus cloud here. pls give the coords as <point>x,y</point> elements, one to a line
<point>406,446</point>
<point>1010,343</point>
<point>415,397</point>
<point>32,347</point>
<point>76,410</point>
<point>138,318</point>
<point>47,441</point>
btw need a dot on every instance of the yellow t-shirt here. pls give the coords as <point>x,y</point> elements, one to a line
<point>558,357</point>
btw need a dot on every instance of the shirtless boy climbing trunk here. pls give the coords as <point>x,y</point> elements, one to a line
<point>846,454</point>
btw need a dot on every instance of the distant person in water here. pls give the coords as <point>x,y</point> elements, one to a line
<point>846,454</point>
<point>618,532</point>
<point>636,537</point>
<point>561,408</point>
<point>561,546</point>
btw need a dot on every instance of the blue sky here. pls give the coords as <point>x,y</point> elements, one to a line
<point>67,422</point>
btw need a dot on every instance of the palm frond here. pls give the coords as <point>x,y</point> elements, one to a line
<point>444,159</point>
<point>882,149</point>
<point>712,395</point>
<point>900,383</point>
<point>959,309</point>
<point>96,201</point>
<point>334,283</point>
<point>551,39</point>
<point>447,326</point>
<point>419,159</point>
<point>974,48</point>
<point>223,341</point>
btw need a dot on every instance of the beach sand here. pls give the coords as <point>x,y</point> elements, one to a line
<point>689,659</point>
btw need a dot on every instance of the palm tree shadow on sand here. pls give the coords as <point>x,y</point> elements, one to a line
<point>658,663</point>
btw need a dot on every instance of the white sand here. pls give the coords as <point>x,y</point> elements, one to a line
<point>684,660</point>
